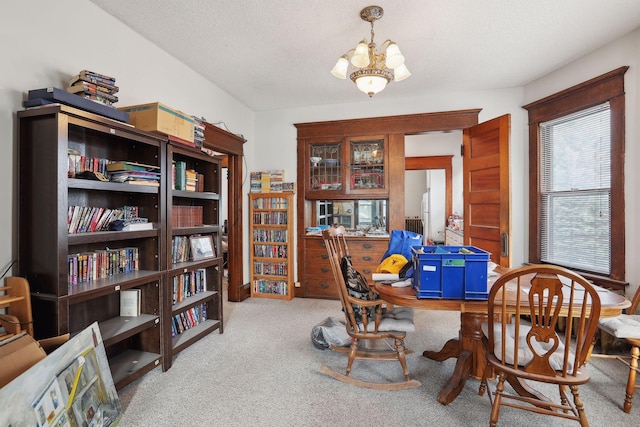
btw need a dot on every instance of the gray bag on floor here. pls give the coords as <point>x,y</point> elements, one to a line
<point>330,332</point>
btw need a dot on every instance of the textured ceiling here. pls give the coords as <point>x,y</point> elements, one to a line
<point>278,54</point>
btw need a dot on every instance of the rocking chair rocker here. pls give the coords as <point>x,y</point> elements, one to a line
<point>368,323</point>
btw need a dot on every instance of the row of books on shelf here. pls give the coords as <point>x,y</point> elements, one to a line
<point>276,287</point>
<point>188,319</point>
<point>189,284</point>
<point>269,182</point>
<point>186,216</point>
<point>96,168</point>
<point>270,251</point>
<point>90,266</point>
<point>267,218</point>
<point>264,235</point>
<point>270,203</point>
<point>271,268</point>
<point>89,219</point>
<point>192,248</point>
<point>184,179</point>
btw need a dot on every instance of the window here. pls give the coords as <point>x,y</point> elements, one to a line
<point>575,190</point>
<point>576,187</point>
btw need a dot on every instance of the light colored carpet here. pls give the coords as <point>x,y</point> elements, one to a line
<point>264,371</point>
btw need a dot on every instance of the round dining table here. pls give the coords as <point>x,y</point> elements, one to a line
<point>468,347</point>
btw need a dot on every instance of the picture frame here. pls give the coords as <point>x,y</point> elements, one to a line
<point>201,248</point>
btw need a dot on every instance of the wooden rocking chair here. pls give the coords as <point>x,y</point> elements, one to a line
<point>385,325</point>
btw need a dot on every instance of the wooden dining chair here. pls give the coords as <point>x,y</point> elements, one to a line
<point>520,350</point>
<point>371,325</point>
<point>626,327</point>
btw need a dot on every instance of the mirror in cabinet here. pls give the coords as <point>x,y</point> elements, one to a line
<point>363,217</point>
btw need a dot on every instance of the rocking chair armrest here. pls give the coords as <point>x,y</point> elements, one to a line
<point>11,324</point>
<point>364,302</point>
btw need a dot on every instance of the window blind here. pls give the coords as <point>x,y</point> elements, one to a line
<point>576,190</point>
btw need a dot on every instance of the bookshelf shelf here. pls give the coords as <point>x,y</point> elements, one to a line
<point>46,249</point>
<point>271,249</point>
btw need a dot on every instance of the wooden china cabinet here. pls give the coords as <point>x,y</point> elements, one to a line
<point>351,172</point>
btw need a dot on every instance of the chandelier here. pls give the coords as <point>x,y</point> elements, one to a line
<point>372,70</point>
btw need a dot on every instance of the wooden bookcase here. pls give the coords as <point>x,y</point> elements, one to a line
<point>271,250</point>
<point>194,283</point>
<point>133,344</point>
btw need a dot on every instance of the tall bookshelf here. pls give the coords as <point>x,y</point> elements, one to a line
<point>271,252</point>
<point>194,280</point>
<point>66,296</point>
<point>76,277</point>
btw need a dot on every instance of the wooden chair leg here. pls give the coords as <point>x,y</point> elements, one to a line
<point>495,408</point>
<point>631,381</point>
<point>579,406</point>
<point>352,355</point>
<point>401,358</point>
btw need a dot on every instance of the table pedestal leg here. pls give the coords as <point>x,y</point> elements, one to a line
<point>469,350</point>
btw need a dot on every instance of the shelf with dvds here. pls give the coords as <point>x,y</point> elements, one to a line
<point>76,266</point>
<point>271,233</point>
<point>194,261</point>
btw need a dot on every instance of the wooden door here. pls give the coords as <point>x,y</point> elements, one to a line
<point>487,193</point>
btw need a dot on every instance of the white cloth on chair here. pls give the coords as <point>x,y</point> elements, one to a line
<point>397,319</point>
<point>623,326</point>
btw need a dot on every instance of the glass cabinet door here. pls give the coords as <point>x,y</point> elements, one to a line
<point>367,167</point>
<point>325,166</point>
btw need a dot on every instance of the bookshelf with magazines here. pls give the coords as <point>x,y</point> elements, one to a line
<point>77,270</point>
<point>194,261</point>
<point>271,250</point>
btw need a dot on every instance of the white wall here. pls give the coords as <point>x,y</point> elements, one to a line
<point>44,43</point>
<point>624,51</point>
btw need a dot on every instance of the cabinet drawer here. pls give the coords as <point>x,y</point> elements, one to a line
<point>322,286</point>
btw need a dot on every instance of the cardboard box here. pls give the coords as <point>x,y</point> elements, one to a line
<point>20,352</point>
<point>17,354</point>
<point>157,117</point>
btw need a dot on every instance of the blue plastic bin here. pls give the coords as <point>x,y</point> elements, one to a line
<point>442,272</point>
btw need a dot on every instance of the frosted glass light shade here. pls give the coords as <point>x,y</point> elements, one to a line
<point>394,56</point>
<point>360,58</point>
<point>371,84</point>
<point>401,73</point>
<point>340,69</point>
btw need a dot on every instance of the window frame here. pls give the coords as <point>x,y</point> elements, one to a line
<point>608,87</point>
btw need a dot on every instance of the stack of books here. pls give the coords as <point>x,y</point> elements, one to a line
<point>134,173</point>
<point>95,87</point>
<point>191,178</point>
<point>198,131</point>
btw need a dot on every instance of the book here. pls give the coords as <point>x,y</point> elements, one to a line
<point>129,166</point>
<point>130,302</point>
<point>137,226</point>
<point>90,79</point>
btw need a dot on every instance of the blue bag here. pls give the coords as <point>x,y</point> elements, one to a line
<point>400,242</point>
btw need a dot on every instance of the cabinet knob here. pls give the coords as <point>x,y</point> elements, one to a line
<point>367,271</point>
<point>324,285</point>
<point>324,269</point>
<point>367,258</point>
<point>367,246</point>
<point>324,256</point>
